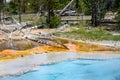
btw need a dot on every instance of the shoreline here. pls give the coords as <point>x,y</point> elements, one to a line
<point>109,43</point>
<point>22,65</point>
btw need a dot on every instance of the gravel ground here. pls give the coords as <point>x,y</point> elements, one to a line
<point>106,43</point>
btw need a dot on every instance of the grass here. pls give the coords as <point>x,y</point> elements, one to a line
<point>26,17</point>
<point>94,34</point>
<point>31,19</point>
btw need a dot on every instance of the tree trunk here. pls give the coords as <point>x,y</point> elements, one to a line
<point>1,7</point>
<point>49,13</point>
<point>24,6</point>
<point>4,4</point>
<point>94,13</point>
<point>0,15</point>
<point>20,10</point>
<point>77,4</point>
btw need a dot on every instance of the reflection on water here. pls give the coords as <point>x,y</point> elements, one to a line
<point>80,69</point>
<point>17,45</point>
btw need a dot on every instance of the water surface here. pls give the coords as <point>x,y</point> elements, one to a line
<point>79,69</point>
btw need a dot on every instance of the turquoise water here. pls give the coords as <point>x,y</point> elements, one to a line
<point>80,69</point>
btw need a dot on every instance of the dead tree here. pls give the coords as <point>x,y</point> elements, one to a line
<point>48,41</point>
<point>67,6</point>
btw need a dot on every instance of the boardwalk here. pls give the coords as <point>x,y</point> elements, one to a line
<point>78,19</point>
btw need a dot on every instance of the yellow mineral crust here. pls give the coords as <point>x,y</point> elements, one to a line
<point>73,47</point>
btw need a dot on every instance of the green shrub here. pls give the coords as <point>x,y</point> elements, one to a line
<point>54,21</point>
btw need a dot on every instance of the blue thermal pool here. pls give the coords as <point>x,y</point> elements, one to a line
<point>79,69</point>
